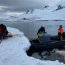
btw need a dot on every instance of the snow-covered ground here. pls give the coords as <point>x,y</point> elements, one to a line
<point>13,51</point>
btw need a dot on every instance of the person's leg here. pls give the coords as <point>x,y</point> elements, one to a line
<point>1,34</point>
<point>5,34</point>
<point>1,37</point>
<point>59,36</point>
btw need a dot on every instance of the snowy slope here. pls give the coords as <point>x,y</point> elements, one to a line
<point>52,12</point>
<point>13,51</point>
<point>40,14</point>
<point>46,15</point>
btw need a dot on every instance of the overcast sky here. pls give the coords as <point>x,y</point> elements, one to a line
<point>19,5</point>
<point>22,5</point>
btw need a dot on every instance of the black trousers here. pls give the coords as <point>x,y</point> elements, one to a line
<point>59,35</point>
<point>3,35</point>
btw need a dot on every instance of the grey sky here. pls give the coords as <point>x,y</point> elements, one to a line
<point>19,5</point>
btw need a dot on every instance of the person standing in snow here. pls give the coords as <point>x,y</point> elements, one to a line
<point>60,32</point>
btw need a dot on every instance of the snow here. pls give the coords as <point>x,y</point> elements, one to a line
<point>42,13</point>
<point>51,2</point>
<point>39,14</point>
<point>13,51</point>
<point>46,14</point>
<point>61,53</point>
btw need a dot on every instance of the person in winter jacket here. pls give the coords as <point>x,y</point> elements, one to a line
<point>41,30</point>
<point>3,31</point>
<point>60,32</point>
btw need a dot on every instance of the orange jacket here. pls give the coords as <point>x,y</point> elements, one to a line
<point>60,30</point>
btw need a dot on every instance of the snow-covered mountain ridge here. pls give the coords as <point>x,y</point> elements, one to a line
<point>47,12</point>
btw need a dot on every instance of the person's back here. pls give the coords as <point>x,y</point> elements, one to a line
<point>2,28</point>
<point>44,39</point>
<point>60,30</point>
<point>43,36</point>
<point>3,31</point>
<point>41,30</point>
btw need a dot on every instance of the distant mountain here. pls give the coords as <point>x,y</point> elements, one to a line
<point>47,12</point>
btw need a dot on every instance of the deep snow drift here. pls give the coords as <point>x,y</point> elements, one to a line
<point>13,51</point>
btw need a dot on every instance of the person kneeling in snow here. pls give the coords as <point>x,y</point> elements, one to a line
<point>3,31</point>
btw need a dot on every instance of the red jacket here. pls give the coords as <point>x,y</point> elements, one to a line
<point>60,30</point>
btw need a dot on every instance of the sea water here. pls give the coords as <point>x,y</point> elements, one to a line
<point>30,27</point>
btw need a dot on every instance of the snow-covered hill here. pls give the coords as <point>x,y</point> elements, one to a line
<point>46,14</point>
<point>51,10</point>
<point>39,14</point>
